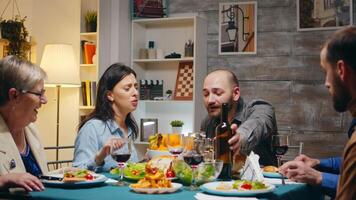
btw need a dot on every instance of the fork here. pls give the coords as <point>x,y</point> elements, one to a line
<point>283,181</point>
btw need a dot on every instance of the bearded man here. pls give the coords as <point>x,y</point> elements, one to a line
<point>338,61</point>
<point>253,123</point>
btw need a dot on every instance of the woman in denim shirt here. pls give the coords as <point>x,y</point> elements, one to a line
<point>111,122</point>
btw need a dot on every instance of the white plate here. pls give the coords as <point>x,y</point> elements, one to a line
<point>176,186</point>
<point>211,188</point>
<point>99,179</point>
<point>272,174</point>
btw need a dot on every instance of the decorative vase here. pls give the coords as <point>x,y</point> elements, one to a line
<point>176,129</point>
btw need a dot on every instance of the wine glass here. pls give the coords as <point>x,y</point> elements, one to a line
<point>175,143</point>
<point>193,157</point>
<point>121,155</point>
<point>280,145</point>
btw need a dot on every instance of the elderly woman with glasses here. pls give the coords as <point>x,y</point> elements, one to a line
<point>21,95</point>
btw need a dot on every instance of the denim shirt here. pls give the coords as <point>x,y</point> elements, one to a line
<point>91,138</point>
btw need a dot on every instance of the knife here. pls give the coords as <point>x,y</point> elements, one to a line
<point>51,178</point>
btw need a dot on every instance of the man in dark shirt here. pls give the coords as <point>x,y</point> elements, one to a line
<point>253,123</point>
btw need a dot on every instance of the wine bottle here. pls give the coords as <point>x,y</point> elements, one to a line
<point>223,152</point>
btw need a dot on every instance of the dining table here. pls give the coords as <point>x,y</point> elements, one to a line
<point>111,192</point>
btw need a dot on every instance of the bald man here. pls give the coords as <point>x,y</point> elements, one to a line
<point>253,123</point>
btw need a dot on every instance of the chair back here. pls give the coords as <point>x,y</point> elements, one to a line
<point>293,151</point>
<point>57,163</point>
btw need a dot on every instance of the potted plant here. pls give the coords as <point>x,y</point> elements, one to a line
<point>168,95</point>
<point>91,17</point>
<point>177,126</point>
<point>15,32</point>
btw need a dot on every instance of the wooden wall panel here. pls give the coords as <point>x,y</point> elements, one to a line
<point>286,71</point>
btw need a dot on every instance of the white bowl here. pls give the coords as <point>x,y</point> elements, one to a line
<point>154,153</point>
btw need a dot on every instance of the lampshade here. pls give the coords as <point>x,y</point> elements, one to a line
<point>58,60</point>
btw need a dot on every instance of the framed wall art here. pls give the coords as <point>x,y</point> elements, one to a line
<point>323,14</point>
<point>237,28</point>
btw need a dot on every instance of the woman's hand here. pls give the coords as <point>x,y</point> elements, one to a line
<point>24,180</point>
<point>114,143</point>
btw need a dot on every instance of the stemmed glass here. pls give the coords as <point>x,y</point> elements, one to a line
<point>280,145</point>
<point>193,157</point>
<point>121,155</point>
<point>175,144</point>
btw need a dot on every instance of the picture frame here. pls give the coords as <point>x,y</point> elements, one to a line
<point>148,127</point>
<point>237,28</point>
<point>323,14</point>
<point>185,81</point>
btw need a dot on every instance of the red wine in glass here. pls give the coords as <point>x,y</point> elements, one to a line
<point>121,158</point>
<point>280,149</point>
<point>193,159</point>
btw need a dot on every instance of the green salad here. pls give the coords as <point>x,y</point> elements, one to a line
<point>133,171</point>
<point>248,185</point>
<point>204,173</point>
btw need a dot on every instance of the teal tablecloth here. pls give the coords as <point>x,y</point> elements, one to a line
<point>108,192</point>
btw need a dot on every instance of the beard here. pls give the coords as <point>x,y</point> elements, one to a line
<point>230,105</point>
<point>341,97</point>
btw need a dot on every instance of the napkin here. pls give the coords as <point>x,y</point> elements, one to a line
<point>111,181</point>
<point>251,170</point>
<point>278,181</point>
<point>202,196</point>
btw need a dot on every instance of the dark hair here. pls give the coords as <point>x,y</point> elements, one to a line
<point>103,109</point>
<point>232,76</point>
<point>342,46</point>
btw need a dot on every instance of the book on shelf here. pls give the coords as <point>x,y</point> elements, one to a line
<point>84,96</point>
<point>93,93</point>
<point>88,51</point>
<point>88,93</point>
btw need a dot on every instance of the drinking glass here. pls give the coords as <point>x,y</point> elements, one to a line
<point>280,145</point>
<point>208,149</point>
<point>193,157</point>
<point>175,144</point>
<point>121,155</point>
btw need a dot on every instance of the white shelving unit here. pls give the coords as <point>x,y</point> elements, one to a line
<point>170,35</point>
<point>88,72</point>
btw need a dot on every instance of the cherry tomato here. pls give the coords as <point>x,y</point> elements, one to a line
<point>246,186</point>
<point>89,177</point>
<point>134,172</point>
<point>170,174</point>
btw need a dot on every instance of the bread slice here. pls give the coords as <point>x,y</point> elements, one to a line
<point>270,168</point>
<point>161,162</point>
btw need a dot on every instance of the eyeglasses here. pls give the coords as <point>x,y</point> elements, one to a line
<point>39,94</point>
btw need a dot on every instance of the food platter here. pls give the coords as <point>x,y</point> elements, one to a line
<point>212,189</point>
<point>98,180</point>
